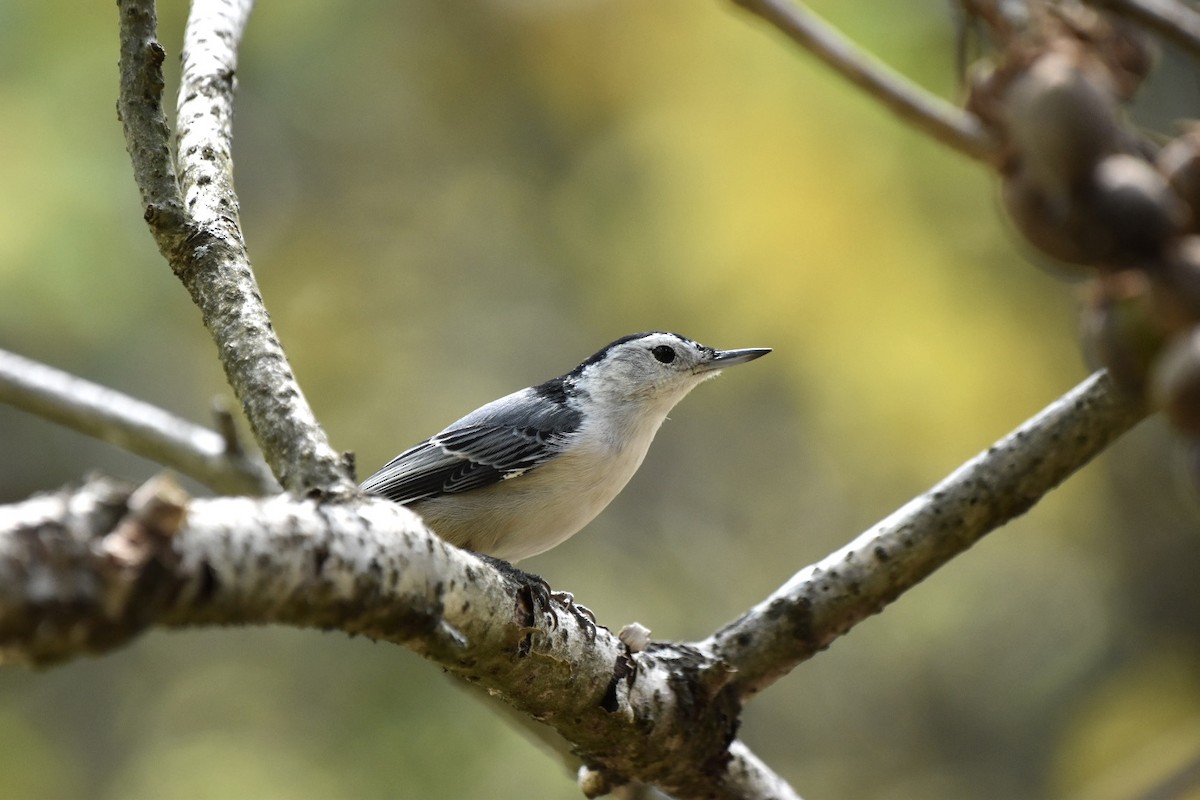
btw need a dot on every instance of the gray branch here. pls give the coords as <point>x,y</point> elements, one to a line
<point>88,568</point>
<point>826,599</point>
<point>212,458</point>
<point>927,112</point>
<point>1177,22</point>
<point>193,213</point>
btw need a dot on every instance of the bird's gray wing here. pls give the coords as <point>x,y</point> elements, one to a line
<point>481,449</point>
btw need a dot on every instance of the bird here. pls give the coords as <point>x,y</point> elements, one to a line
<point>526,472</point>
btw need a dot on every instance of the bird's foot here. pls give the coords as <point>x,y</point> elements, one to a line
<point>587,620</point>
<point>536,594</point>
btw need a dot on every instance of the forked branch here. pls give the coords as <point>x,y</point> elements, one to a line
<point>193,213</point>
<point>213,458</point>
<point>90,568</point>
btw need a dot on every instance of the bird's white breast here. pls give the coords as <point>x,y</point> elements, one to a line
<point>530,513</point>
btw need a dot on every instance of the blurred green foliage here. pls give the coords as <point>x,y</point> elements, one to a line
<point>447,201</point>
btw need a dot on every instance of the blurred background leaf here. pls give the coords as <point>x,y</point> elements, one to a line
<point>448,201</point>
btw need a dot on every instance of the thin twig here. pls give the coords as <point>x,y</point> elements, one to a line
<point>943,121</point>
<point>1174,21</point>
<point>194,219</point>
<point>132,425</point>
<point>825,600</point>
<point>139,106</point>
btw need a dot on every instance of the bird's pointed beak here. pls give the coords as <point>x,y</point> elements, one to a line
<point>730,358</point>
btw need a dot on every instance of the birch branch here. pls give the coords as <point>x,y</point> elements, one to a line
<point>212,458</point>
<point>193,214</point>
<point>825,600</point>
<point>87,569</point>
<point>927,112</point>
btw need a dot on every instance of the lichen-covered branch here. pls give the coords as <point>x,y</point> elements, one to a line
<point>826,599</point>
<point>193,213</point>
<point>940,119</point>
<point>147,135</point>
<point>88,568</point>
<point>210,457</point>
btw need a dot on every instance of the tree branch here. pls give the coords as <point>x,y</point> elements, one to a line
<point>194,219</point>
<point>928,113</point>
<point>212,458</point>
<point>825,600</point>
<point>87,569</point>
<point>1174,21</point>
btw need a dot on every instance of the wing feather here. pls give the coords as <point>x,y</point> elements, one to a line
<point>498,441</point>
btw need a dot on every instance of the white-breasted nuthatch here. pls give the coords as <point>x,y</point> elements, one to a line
<point>525,472</point>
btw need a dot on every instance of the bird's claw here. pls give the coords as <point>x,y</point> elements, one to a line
<point>538,596</point>
<point>544,596</point>
<point>584,615</point>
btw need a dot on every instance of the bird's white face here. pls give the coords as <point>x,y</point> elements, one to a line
<point>650,367</point>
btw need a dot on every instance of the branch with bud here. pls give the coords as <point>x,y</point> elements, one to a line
<point>1088,189</point>
<point>1095,195</point>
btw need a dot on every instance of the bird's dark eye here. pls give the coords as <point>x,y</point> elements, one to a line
<point>663,353</point>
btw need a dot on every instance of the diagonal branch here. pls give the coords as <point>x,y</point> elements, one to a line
<point>1177,22</point>
<point>193,214</point>
<point>825,600</point>
<point>928,113</point>
<point>211,458</point>
<point>88,569</point>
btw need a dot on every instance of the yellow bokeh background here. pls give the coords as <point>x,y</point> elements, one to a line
<point>448,201</point>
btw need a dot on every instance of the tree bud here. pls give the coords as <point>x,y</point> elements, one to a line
<point>1176,385</point>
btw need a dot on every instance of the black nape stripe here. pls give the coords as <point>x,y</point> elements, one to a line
<point>603,351</point>
<point>556,390</point>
